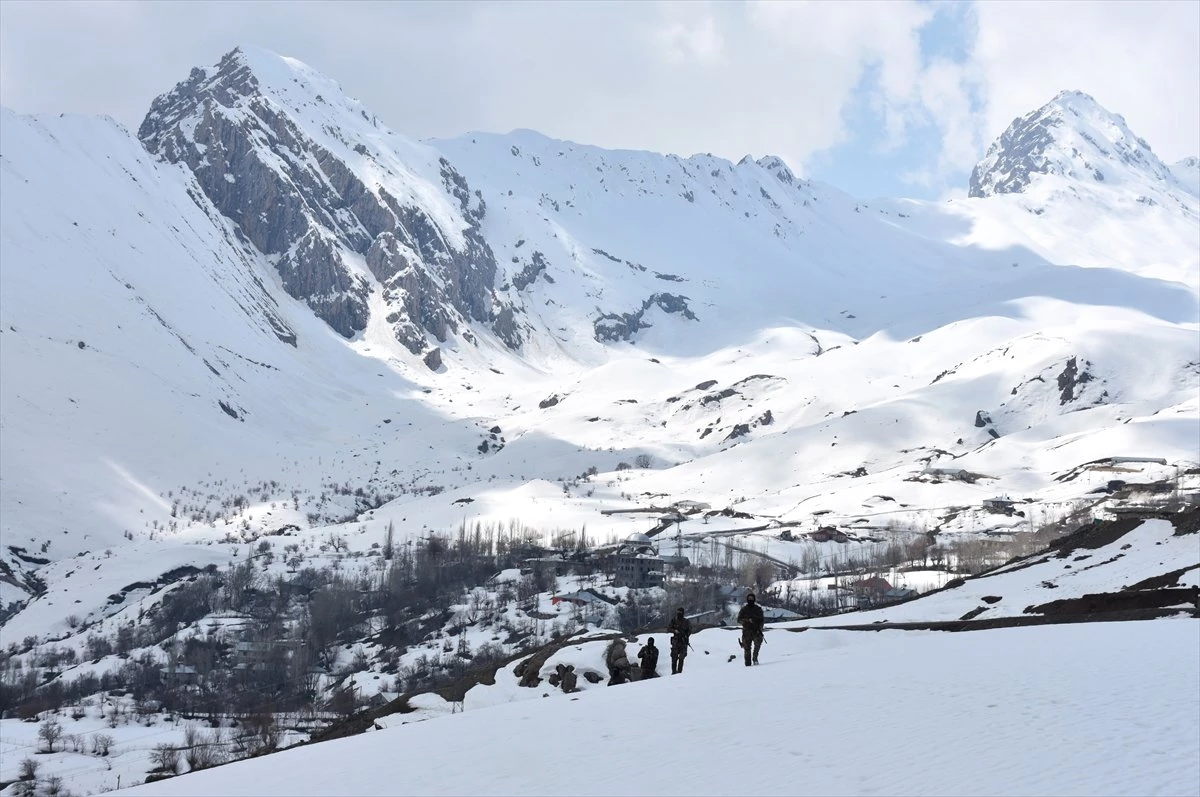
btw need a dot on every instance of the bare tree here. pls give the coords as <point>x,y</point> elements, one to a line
<point>27,783</point>
<point>389,547</point>
<point>165,758</point>
<point>101,743</point>
<point>343,701</point>
<point>240,582</point>
<point>203,751</point>
<point>266,733</point>
<point>50,731</point>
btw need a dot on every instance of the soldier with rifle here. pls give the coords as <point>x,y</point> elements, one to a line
<point>751,618</point>
<point>681,632</point>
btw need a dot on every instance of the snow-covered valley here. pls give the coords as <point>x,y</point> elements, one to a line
<point>262,353</point>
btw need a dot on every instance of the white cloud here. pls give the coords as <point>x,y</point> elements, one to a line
<point>759,77</point>
<point>684,41</point>
<point>1138,59</point>
<point>946,93</point>
<point>681,77</point>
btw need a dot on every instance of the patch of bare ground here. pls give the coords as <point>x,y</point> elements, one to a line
<point>1110,602</point>
<point>1017,621</point>
<point>1153,597</point>
<point>1170,579</point>
<point>1096,535</point>
<point>1186,522</point>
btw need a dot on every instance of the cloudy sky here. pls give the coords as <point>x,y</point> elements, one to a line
<point>897,98</point>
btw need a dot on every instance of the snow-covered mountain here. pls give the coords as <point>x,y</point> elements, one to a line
<point>343,209</point>
<point>159,327</point>
<point>1071,136</point>
<point>147,347</point>
<point>268,318</point>
<point>1187,173</point>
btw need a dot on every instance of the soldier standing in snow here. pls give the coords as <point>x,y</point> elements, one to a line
<point>751,618</point>
<point>648,656</point>
<point>681,631</point>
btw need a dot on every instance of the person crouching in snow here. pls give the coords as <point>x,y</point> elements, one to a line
<point>648,656</point>
<point>619,668</point>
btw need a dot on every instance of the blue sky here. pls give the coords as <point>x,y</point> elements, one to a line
<point>867,164</point>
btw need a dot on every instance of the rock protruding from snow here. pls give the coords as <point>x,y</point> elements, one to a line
<point>623,326</point>
<point>335,201</point>
<point>1071,136</point>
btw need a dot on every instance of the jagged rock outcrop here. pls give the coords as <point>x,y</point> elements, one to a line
<point>309,181</point>
<point>1072,376</point>
<point>623,326</point>
<point>1071,136</point>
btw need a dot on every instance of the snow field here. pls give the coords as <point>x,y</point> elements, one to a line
<point>1022,711</point>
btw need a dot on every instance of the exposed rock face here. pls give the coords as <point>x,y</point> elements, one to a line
<point>1073,376</point>
<point>525,277</point>
<point>623,326</point>
<point>300,201</point>
<point>1072,136</point>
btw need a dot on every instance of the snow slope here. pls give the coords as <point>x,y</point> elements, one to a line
<point>1074,165</point>
<point>147,352</point>
<point>1187,173</point>
<point>1150,550</point>
<point>1045,711</point>
<point>1144,566</point>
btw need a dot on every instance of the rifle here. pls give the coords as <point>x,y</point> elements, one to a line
<point>762,635</point>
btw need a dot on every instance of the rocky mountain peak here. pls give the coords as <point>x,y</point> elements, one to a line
<point>775,165</point>
<point>1071,136</point>
<point>1187,174</point>
<point>340,205</point>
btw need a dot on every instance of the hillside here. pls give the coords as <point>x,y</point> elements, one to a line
<point>1012,710</point>
<point>835,712</point>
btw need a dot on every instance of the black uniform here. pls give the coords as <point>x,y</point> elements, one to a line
<point>751,618</point>
<point>681,631</point>
<point>648,656</point>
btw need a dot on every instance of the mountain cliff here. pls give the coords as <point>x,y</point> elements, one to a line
<point>342,207</point>
<point>1074,137</point>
